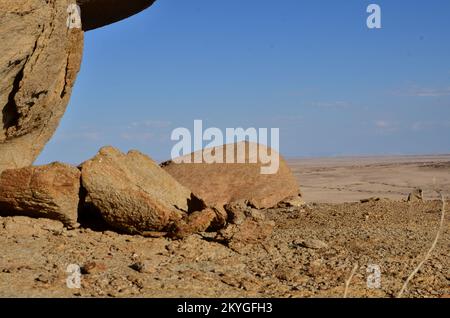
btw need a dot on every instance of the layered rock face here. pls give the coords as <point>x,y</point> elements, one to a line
<point>40,57</point>
<point>222,183</point>
<point>50,191</point>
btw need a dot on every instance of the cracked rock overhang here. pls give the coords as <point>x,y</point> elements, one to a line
<point>98,13</point>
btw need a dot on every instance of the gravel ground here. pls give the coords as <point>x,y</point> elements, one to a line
<point>310,254</point>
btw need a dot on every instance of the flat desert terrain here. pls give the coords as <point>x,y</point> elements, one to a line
<point>312,252</point>
<point>348,179</point>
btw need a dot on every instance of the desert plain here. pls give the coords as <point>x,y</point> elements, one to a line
<point>347,179</point>
<point>311,253</point>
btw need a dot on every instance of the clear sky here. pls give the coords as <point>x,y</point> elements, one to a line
<point>310,67</point>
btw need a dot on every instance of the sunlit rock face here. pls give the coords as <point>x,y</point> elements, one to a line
<point>40,57</point>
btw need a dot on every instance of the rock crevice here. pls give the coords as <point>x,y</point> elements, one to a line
<point>38,67</point>
<point>10,111</point>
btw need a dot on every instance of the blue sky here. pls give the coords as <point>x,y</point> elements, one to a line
<point>311,68</point>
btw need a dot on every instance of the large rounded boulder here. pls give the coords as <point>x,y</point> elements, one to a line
<point>40,56</point>
<point>220,183</point>
<point>132,193</point>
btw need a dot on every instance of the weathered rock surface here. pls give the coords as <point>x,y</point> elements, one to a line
<point>311,243</point>
<point>222,183</point>
<point>133,194</point>
<point>196,222</point>
<point>39,60</point>
<point>292,202</point>
<point>98,13</point>
<point>239,211</point>
<point>23,226</point>
<point>247,226</point>
<point>211,218</point>
<point>50,191</point>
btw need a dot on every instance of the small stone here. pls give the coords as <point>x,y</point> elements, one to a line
<point>257,215</point>
<point>240,210</point>
<point>248,232</point>
<point>312,244</point>
<point>236,211</point>
<point>43,278</point>
<point>372,199</point>
<point>153,234</point>
<point>194,223</point>
<point>144,267</point>
<point>416,196</point>
<point>286,273</point>
<point>292,202</point>
<point>93,267</point>
<point>135,256</point>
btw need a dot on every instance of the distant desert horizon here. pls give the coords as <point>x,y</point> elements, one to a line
<point>350,179</point>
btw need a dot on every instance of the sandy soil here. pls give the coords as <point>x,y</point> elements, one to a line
<point>310,254</point>
<point>338,180</point>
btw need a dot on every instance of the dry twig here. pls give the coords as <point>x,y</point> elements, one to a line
<point>349,280</point>
<point>433,246</point>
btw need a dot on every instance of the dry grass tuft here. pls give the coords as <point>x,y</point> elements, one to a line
<point>427,256</point>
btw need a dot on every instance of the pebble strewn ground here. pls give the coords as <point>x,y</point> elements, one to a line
<point>310,254</point>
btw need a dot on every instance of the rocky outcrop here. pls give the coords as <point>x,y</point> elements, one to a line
<point>133,194</point>
<point>50,191</point>
<point>39,59</point>
<point>222,183</point>
<point>98,13</point>
<point>40,56</point>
